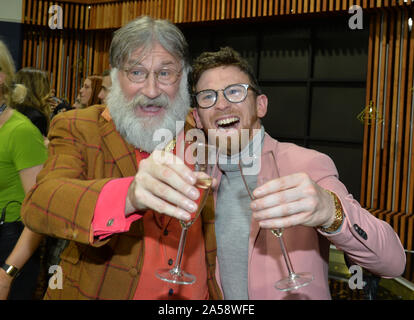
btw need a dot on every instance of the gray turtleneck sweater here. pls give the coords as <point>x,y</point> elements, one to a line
<point>233,219</point>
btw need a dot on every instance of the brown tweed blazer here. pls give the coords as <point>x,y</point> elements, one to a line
<point>85,152</point>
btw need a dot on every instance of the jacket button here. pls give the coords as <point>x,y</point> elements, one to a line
<point>170,262</point>
<point>170,292</point>
<point>133,272</point>
<point>360,231</point>
<point>165,232</point>
<point>110,222</point>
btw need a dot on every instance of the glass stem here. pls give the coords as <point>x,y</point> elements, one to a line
<point>286,257</point>
<point>183,237</point>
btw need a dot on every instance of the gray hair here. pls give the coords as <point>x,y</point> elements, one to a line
<point>142,33</point>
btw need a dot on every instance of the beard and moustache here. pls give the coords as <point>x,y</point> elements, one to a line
<point>139,131</point>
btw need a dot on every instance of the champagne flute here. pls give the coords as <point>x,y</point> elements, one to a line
<point>294,280</point>
<point>200,157</point>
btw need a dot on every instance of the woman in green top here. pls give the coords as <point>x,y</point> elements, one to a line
<point>22,153</point>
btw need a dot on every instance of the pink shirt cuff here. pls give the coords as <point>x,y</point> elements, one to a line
<point>109,216</point>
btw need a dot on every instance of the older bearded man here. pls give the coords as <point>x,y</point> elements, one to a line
<point>108,188</point>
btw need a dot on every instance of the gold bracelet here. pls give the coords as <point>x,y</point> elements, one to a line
<point>339,216</point>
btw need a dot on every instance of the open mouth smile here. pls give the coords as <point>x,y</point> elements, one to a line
<point>228,123</point>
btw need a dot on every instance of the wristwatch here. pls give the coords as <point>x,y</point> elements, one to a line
<point>339,216</point>
<point>10,270</point>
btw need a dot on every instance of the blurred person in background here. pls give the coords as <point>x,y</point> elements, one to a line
<point>22,154</point>
<point>58,105</point>
<point>77,104</point>
<point>90,91</point>
<point>62,106</point>
<point>106,86</point>
<point>36,105</point>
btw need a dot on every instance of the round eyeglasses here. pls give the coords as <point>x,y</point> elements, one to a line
<point>234,93</point>
<point>165,76</point>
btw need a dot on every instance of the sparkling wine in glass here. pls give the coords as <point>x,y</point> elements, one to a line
<point>203,185</point>
<point>198,156</point>
<point>294,280</point>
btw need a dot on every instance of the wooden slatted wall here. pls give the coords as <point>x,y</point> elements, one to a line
<point>182,11</point>
<point>63,52</point>
<point>387,180</point>
<point>81,47</point>
<point>387,186</point>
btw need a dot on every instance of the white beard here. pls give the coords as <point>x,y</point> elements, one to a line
<point>139,131</point>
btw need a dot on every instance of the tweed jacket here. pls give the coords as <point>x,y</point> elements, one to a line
<point>86,152</point>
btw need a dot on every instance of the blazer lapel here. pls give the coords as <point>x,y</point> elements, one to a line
<point>122,152</point>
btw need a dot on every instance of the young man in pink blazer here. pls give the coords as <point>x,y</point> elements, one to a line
<point>249,257</point>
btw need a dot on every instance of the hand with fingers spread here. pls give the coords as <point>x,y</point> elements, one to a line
<point>292,200</point>
<point>165,184</point>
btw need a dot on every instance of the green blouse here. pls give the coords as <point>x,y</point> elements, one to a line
<point>21,147</point>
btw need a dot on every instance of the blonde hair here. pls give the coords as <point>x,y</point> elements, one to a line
<point>38,89</point>
<point>12,93</point>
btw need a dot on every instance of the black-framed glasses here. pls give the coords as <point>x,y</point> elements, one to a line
<point>165,76</point>
<point>234,93</point>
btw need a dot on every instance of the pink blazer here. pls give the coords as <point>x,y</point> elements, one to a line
<point>367,241</point>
